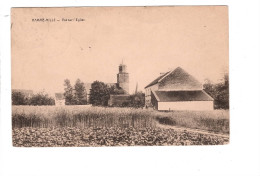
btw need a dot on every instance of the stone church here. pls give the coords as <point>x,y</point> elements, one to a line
<point>123,79</point>
<point>122,84</point>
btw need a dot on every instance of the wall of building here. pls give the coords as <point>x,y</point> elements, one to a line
<point>123,81</point>
<point>123,78</point>
<point>154,102</point>
<point>148,92</point>
<point>187,105</point>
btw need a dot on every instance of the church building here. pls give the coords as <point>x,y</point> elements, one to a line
<point>123,79</point>
<point>122,83</point>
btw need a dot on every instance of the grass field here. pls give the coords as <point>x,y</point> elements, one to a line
<point>96,117</point>
<point>214,121</point>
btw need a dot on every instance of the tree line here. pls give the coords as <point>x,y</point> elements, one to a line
<point>76,95</point>
<point>39,99</point>
<point>100,95</point>
<point>73,96</point>
<point>219,92</point>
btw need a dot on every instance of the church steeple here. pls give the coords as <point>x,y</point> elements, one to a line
<point>136,88</point>
<point>123,78</point>
<point>122,68</point>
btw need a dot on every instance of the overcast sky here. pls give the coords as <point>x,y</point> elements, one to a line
<point>150,40</point>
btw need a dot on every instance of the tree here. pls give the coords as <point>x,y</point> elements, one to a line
<point>41,99</point>
<point>68,94</point>
<point>116,91</point>
<point>222,94</point>
<point>137,100</point>
<point>99,94</point>
<point>80,94</point>
<point>209,87</point>
<point>19,98</point>
<point>219,92</point>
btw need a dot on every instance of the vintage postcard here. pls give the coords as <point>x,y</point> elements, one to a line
<point>120,76</point>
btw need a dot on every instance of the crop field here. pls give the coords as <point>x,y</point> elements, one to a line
<point>99,126</point>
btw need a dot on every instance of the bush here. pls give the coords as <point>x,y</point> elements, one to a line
<point>19,98</point>
<point>219,92</point>
<point>41,99</point>
<point>166,121</point>
<point>137,100</point>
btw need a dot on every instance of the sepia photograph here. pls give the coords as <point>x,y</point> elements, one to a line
<point>120,76</point>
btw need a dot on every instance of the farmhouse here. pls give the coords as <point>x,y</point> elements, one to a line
<point>59,99</point>
<point>177,90</point>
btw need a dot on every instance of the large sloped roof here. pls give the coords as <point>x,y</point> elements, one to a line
<point>177,79</point>
<point>156,80</point>
<point>171,96</point>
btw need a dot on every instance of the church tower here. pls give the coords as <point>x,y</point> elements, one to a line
<point>123,78</point>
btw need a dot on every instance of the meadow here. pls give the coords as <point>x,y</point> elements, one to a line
<point>99,117</point>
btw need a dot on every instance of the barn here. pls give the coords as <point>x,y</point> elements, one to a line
<point>177,90</point>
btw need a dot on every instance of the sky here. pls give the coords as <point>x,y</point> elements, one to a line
<point>149,40</point>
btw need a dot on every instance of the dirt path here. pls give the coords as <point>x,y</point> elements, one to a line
<point>191,130</point>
